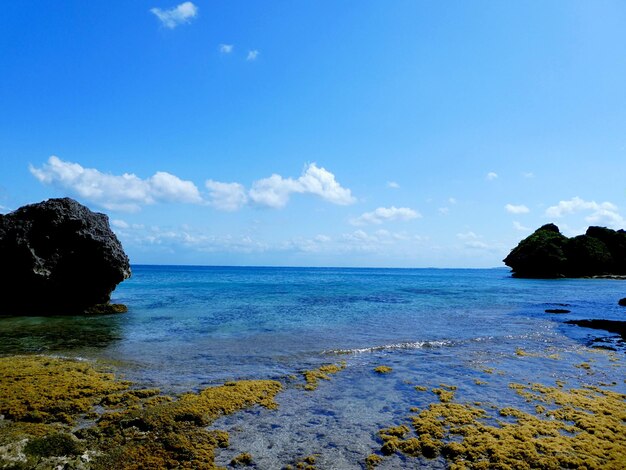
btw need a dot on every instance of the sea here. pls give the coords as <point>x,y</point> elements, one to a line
<point>191,327</point>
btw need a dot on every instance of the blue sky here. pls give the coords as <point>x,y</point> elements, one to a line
<point>318,133</point>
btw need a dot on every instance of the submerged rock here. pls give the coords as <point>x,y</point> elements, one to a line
<point>612,326</point>
<point>58,257</point>
<point>548,254</point>
<point>622,302</point>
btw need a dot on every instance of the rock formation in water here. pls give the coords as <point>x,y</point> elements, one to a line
<point>549,254</point>
<point>58,257</point>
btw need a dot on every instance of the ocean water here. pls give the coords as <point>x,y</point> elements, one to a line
<point>192,327</point>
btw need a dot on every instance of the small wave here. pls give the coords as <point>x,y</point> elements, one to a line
<point>391,347</point>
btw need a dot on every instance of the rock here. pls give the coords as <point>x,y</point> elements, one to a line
<point>58,257</point>
<point>557,310</point>
<point>611,326</point>
<point>541,255</point>
<point>600,252</point>
<point>622,302</point>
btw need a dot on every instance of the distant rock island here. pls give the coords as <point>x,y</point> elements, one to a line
<point>58,257</point>
<point>549,254</point>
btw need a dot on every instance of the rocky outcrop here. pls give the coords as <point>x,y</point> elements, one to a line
<point>611,326</point>
<point>58,257</point>
<point>549,254</point>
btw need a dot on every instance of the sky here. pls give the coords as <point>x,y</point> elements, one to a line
<point>318,133</point>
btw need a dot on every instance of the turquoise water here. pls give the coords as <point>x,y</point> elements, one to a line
<point>189,327</point>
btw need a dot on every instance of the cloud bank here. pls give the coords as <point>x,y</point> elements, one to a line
<point>128,192</point>
<point>177,15</point>
<point>125,192</point>
<point>601,213</point>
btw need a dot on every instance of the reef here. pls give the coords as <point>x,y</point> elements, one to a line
<point>622,302</point>
<point>63,255</point>
<point>66,413</point>
<point>548,254</point>
<point>383,369</point>
<point>576,428</point>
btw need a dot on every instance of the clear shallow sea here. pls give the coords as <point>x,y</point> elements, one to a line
<point>190,327</point>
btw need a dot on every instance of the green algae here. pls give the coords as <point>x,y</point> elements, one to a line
<point>372,461</point>
<point>575,428</point>
<point>42,397</point>
<point>57,444</point>
<point>444,395</point>
<point>46,389</point>
<point>106,309</point>
<point>306,463</point>
<point>383,369</point>
<point>313,376</point>
<point>242,460</point>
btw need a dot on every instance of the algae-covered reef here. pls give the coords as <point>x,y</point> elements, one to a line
<point>67,413</point>
<point>569,428</point>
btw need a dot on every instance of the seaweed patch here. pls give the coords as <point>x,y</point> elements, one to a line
<point>42,397</point>
<point>575,428</point>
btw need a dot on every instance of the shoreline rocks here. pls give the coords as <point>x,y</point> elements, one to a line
<point>600,252</point>
<point>612,326</point>
<point>58,257</point>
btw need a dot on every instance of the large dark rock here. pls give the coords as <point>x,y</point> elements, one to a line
<point>549,254</point>
<point>542,254</point>
<point>57,256</point>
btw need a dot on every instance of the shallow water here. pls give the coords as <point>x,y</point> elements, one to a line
<point>188,327</point>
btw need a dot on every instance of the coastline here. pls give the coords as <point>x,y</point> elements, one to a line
<point>97,411</point>
<point>340,369</point>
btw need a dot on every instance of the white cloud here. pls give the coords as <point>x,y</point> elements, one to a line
<point>275,191</point>
<point>452,200</point>
<point>491,176</point>
<point>226,48</point>
<point>173,239</point>
<point>177,15</point>
<point>226,196</point>
<point>467,236</point>
<point>528,174</point>
<point>128,192</point>
<point>444,210</point>
<point>517,209</point>
<point>472,240</point>
<point>393,185</point>
<point>386,214</point>
<point>125,192</point>
<point>252,55</point>
<point>119,223</point>
<point>520,227</point>
<point>601,213</point>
